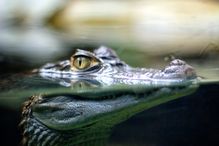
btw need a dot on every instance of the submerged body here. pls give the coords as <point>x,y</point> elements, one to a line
<point>109,92</point>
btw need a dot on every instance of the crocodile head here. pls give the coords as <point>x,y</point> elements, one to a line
<point>104,65</point>
<point>104,92</point>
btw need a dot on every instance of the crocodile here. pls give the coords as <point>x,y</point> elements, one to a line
<point>102,92</point>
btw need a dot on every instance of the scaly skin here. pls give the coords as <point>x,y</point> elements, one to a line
<point>110,92</point>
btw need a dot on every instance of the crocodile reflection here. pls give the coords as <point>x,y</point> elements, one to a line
<point>102,91</point>
<point>88,118</point>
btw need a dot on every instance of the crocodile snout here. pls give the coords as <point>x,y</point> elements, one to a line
<point>180,69</point>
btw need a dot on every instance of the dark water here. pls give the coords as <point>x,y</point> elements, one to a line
<point>191,120</point>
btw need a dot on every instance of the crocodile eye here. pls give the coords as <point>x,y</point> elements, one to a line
<point>82,63</point>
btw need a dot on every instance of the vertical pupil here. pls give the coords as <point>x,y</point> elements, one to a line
<point>80,62</point>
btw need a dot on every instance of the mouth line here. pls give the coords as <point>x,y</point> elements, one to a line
<point>110,95</point>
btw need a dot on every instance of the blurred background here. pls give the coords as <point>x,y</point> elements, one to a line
<point>144,33</point>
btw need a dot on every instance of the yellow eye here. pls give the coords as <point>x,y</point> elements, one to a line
<point>81,62</point>
<point>84,61</point>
